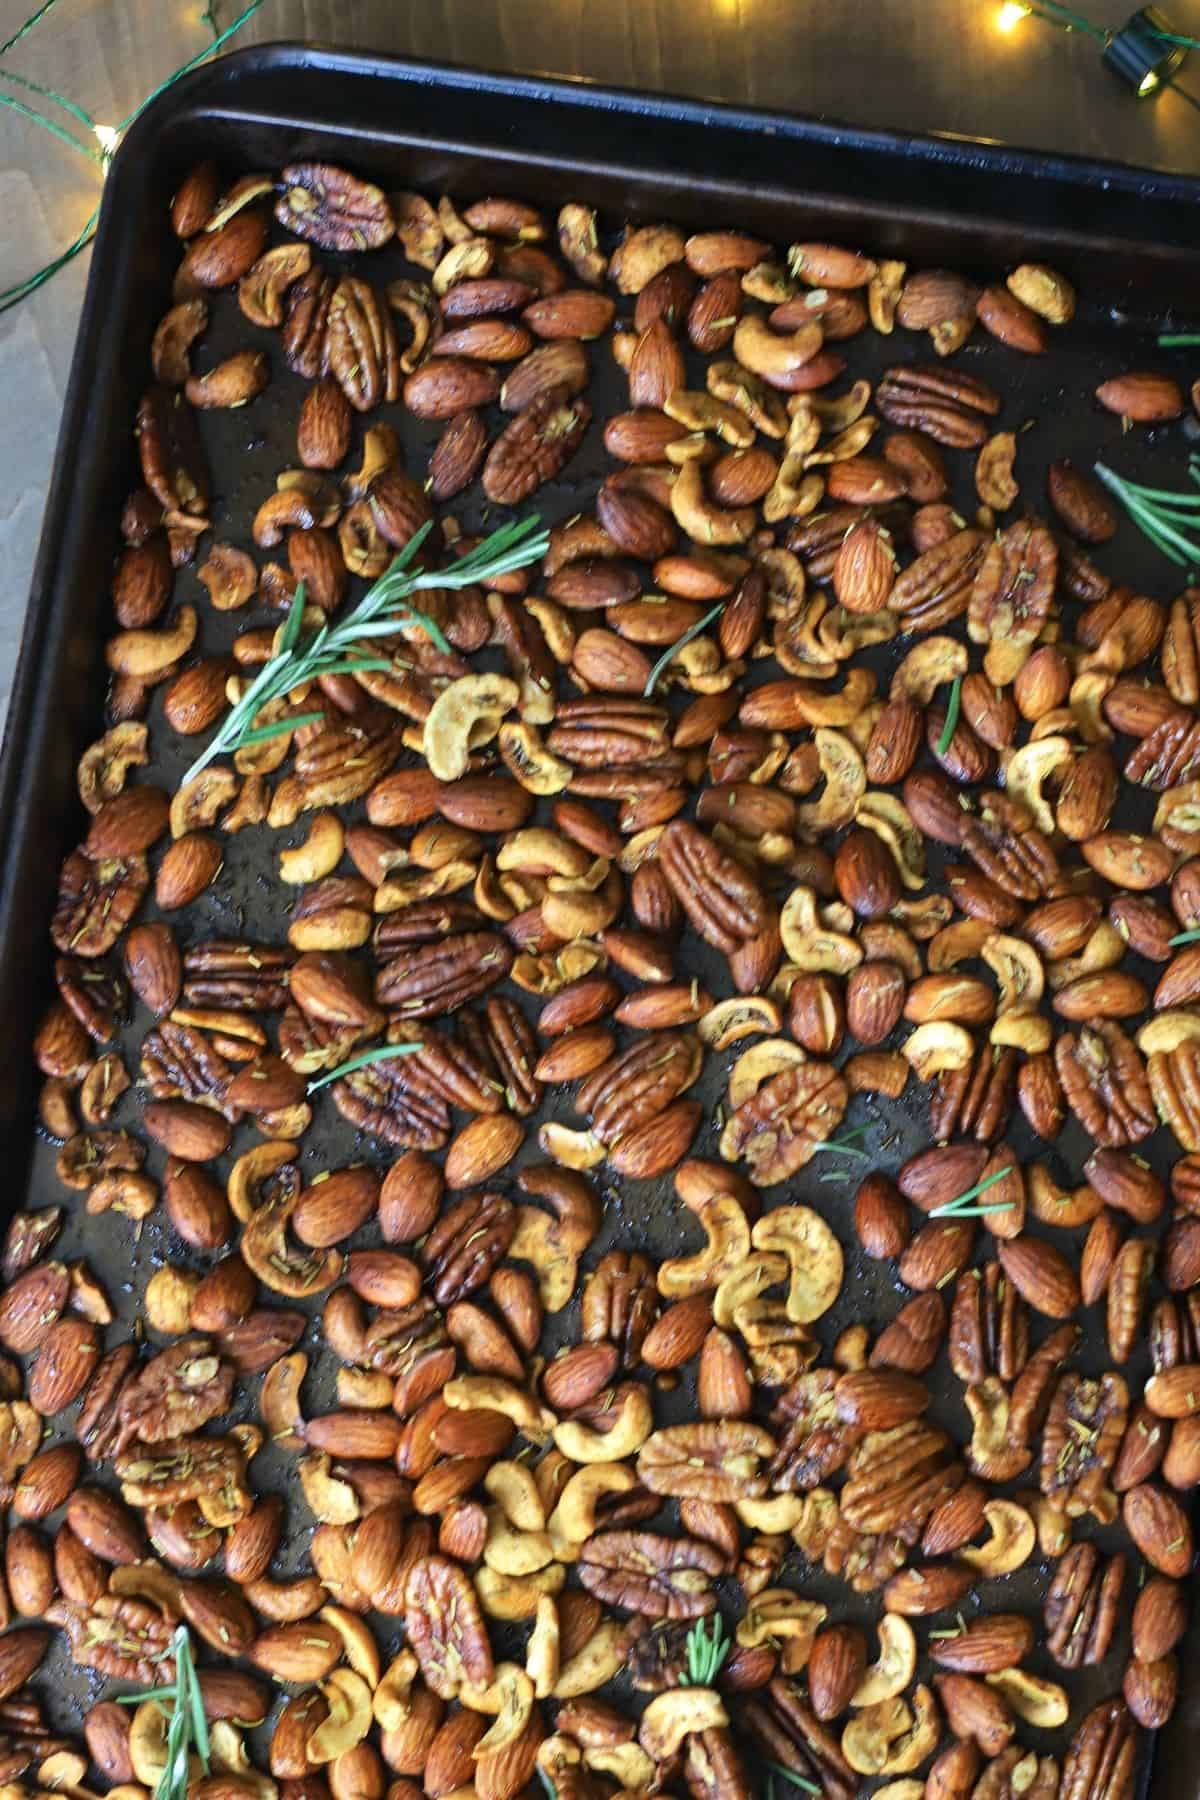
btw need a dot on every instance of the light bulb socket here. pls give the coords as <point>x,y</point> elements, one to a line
<point>1138,55</point>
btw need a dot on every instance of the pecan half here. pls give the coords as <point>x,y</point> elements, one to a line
<point>660,1577</point>
<point>534,448</point>
<point>779,1128</point>
<point>722,900</point>
<point>1106,1085</point>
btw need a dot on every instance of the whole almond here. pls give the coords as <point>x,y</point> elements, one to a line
<point>186,1130</point>
<point>1158,1525</point>
<point>449,384</point>
<point>190,865</point>
<point>105,1526</point>
<point>335,1206</point>
<point>1129,860</point>
<point>225,1296</point>
<point>1010,320</point>
<point>577,1375</point>
<point>878,1399</point>
<point>573,313</point>
<point>563,364</point>
<point>409,1198</point>
<point>1042,1275</point>
<point>29,1571</point>
<point>881,1216</point>
<point>996,1642</point>
<point>836,1665</point>
<point>1085,508</point>
<point>66,1361</point>
<point>353,1434</point>
<point>457,456</point>
<point>31,1305</point>
<point>723,1380</point>
<point>197,1206</point>
<point>938,1252</point>
<point>482,1148</point>
<point>678,1334</point>
<point>1144,397</point>
<point>929,1588</point>
<point>47,1482</point>
<point>1159,1618</point>
<point>301,1653</point>
<point>129,823</point>
<point>20,1653</point>
<point>864,569</point>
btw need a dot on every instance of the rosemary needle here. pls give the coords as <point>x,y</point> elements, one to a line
<point>958,1208</point>
<point>705,1654</point>
<point>810,1787</point>
<point>187,1727</point>
<point>672,651</point>
<point>1186,937</point>
<point>952,710</point>
<point>383,1053</point>
<point>384,610</point>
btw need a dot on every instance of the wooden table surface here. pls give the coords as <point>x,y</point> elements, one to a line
<point>915,64</point>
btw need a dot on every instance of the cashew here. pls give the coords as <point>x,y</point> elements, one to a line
<point>845,784</point>
<point>1025,1031</point>
<point>808,944</point>
<point>574,1518</point>
<point>465,261</point>
<point>1012,1542</point>
<point>758,1064</point>
<point>1029,769</point>
<point>148,1743</point>
<point>492,1393</point>
<point>724,1223</point>
<point>267,1253</point>
<point>703,412</point>
<point>958,943</point>
<point>542,1650</point>
<point>598,1661</point>
<point>527,759</point>
<point>1166,1031</point>
<point>146,654</point>
<point>329,1499</point>
<point>1086,700</point>
<point>886,1739</point>
<point>1103,950</point>
<point>838,410</point>
<point>937,1046</point>
<point>513,1488</point>
<point>1039,1702</point>
<point>628,1764</point>
<point>199,803</point>
<point>747,391</point>
<point>746,1282</point>
<point>516,1597</point>
<point>729,1021</point>
<point>1018,970</point>
<point>513,1552</point>
<point>671,1716</point>
<point>705,522</point>
<point>465,715</point>
<point>553,1242</point>
<point>251,1172</point>
<point>349,1700</point>
<point>319,854</point>
<point>147,1581</point>
<point>818,706</point>
<point>931,664</point>
<point>766,352</point>
<point>508,1698</point>
<point>779,1613</point>
<point>392,1703</point>
<point>572,1150</point>
<point>634,1425</point>
<point>813,1253</point>
<point>105,764</point>
<point>893,1668</point>
<point>540,851</point>
<point>774,1517</point>
<point>890,819</point>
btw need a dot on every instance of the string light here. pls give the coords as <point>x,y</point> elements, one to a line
<point>1010,16</point>
<point>1146,53</point>
<point>106,137</point>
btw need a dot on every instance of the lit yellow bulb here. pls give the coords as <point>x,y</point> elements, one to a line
<point>107,136</point>
<point>1010,15</point>
<point>1147,84</point>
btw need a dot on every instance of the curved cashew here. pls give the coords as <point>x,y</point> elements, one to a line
<point>891,820</point>
<point>773,353</point>
<point>349,1700</point>
<point>628,1764</point>
<point>529,761</point>
<point>1166,1031</point>
<point>809,944</point>
<point>465,715</point>
<point>734,382</point>
<point>728,1233</point>
<point>198,804</point>
<point>1025,1031</point>
<point>319,854</point>
<point>512,1552</point>
<point>1038,1701</point>
<point>634,1424</point>
<point>758,1064</point>
<point>598,1661</point>
<point>573,1150</point>
<point>1012,1541</point>
<point>554,1244</point>
<point>513,1488</point>
<point>958,943</point>
<point>515,1597</point>
<point>928,666</point>
<point>704,521</point>
<point>1018,970</point>
<point>147,654</point>
<point>895,1665</point>
<point>745,1283</point>
<point>729,1021</point>
<point>329,1499</point>
<point>1030,768</point>
<point>779,1613</point>
<point>492,1393</point>
<point>774,1517</point>
<point>248,1178</point>
<point>937,1046</point>
<point>539,851</point>
<point>267,1253</point>
<point>508,1698</point>
<point>392,1702</point>
<point>105,764</point>
<point>814,1258</point>
<point>704,412</point>
<point>542,1658</point>
<point>672,1716</point>
<point>574,1518</point>
<point>845,783</point>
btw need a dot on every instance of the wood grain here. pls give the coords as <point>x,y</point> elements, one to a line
<point>935,65</point>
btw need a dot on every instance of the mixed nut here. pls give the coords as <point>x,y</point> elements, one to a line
<point>513,822</point>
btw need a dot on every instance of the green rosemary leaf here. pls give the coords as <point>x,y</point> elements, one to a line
<point>800,1781</point>
<point>1186,937</point>
<point>385,609</point>
<point>1157,512</point>
<point>705,1654</point>
<point>960,1200</point>
<point>1178,340</point>
<point>262,734</point>
<point>840,1148</point>
<point>668,656</point>
<point>383,1053</point>
<point>546,1782</point>
<point>952,711</point>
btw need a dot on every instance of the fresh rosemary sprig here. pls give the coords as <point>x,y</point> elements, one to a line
<point>1161,514</point>
<point>1178,340</point>
<point>384,609</point>
<point>1186,937</point>
<point>187,1729</point>
<point>960,1207</point>
<point>800,1781</point>
<point>705,1655</point>
<point>693,631</point>
<point>843,1146</point>
<point>381,1053</point>
<point>952,711</point>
